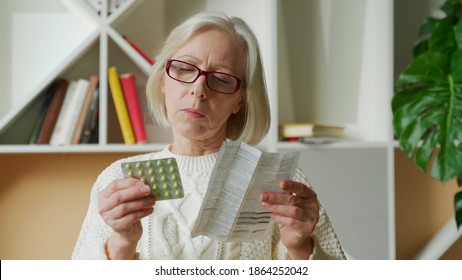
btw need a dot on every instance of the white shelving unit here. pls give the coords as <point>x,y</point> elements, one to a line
<point>97,48</point>
<point>341,72</point>
<point>101,45</point>
<point>325,61</point>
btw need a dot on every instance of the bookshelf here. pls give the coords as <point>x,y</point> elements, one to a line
<point>325,61</point>
<point>100,46</point>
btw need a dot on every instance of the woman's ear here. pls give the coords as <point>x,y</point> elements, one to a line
<point>239,105</point>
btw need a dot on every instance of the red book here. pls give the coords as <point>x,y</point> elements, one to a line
<point>140,51</point>
<point>133,105</point>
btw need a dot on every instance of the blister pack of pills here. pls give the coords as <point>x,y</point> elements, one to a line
<point>161,175</point>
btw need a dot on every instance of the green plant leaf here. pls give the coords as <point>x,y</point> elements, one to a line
<point>427,25</point>
<point>420,47</point>
<point>427,105</point>
<point>458,34</point>
<point>452,7</point>
<point>427,113</point>
<point>443,37</point>
<point>428,68</point>
<point>458,208</point>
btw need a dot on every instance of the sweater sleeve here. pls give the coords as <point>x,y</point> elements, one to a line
<point>94,232</point>
<point>326,244</point>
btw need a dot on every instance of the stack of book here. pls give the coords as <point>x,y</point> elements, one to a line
<point>310,133</point>
<point>127,105</point>
<point>69,113</point>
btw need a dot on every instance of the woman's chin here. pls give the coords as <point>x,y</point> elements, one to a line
<point>193,132</point>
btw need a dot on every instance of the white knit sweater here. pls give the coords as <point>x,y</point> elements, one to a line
<point>167,232</point>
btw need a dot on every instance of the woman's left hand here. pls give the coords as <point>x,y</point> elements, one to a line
<point>296,210</point>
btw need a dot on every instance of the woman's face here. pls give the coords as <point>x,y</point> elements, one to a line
<point>195,111</point>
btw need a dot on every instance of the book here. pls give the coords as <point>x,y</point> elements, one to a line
<point>138,49</point>
<point>133,105</point>
<point>120,106</point>
<point>70,112</point>
<point>52,112</point>
<point>94,136</point>
<point>93,84</point>
<point>91,121</point>
<point>49,92</point>
<point>296,130</point>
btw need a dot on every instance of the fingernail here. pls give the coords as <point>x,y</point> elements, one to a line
<point>263,196</point>
<point>144,189</point>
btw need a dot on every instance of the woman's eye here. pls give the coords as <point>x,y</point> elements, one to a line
<point>222,79</point>
<point>185,69</point>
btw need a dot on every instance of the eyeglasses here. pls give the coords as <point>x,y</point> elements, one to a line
<point>187,73</point>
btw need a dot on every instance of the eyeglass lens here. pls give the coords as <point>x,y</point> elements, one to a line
<point>188,73</point>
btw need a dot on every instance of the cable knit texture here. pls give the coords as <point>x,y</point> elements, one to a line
<point>167,232</point>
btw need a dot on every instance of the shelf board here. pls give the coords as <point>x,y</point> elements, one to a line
<point>142,148</point>
<point>87,148</point>
<point>342,144</point>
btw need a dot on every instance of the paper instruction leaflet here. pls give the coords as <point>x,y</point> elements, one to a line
<point>231,210</point>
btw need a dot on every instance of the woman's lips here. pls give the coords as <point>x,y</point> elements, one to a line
<point>193,113</point>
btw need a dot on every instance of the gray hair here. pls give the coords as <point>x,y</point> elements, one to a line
<point>251,123</point>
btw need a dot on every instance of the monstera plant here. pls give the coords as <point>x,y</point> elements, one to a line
<point>427,105</point>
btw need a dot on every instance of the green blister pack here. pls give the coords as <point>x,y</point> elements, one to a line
<point>161,175</point>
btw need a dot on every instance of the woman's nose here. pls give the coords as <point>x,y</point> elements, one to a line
<point>199,87</point>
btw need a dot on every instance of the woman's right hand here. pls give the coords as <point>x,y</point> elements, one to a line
<point>122,205</point>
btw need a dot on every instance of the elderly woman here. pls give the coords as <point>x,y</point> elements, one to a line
<point>208,86</point>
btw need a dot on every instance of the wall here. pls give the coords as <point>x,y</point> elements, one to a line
<point>423,206</point>
<point>43,200</point>
<point>5,56</point>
